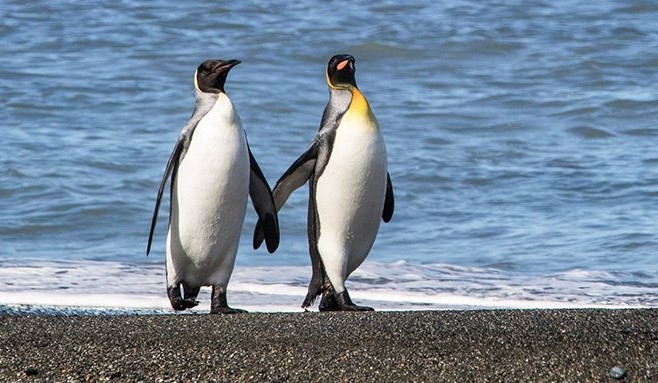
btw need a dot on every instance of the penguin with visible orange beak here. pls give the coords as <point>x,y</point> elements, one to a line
<point>350,188</point>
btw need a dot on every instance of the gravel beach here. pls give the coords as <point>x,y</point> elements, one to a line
<point>583,345</point>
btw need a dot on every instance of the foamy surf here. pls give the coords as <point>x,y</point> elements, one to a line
<point>138,288</point>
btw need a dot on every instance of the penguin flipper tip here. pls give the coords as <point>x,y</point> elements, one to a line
<point>259,237</point>
<point>271,233</point>
<point>272,246</point>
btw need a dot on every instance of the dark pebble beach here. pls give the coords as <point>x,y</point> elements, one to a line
<point>582,345</point>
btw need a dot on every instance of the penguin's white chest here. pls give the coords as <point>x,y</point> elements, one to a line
<point>351,191</point>
<point>209,197</point>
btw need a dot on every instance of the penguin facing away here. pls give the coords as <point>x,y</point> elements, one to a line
<point>212,172</point>
<point>350,189</point>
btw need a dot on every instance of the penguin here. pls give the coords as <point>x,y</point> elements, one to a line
<point>212,172</point>
<point>350,189</point>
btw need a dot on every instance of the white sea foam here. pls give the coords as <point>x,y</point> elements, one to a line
<point>396,286</point>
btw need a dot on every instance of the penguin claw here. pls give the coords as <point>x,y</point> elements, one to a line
<point>189,303</point>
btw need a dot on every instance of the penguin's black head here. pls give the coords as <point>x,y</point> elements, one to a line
<point>211,75</point>
<point>340,72</point>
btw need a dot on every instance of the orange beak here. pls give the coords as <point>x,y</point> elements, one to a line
<point>342,64</point>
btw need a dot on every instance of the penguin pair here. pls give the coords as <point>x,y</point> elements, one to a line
<point>212,170</point>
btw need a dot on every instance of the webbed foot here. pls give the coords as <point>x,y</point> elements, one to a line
<point>175,298</point>
<point>177,301</point>
<point>189,303</point>
<point>345,303</point>
<point>226,310</point>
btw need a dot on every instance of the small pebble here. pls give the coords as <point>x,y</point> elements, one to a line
<point>617,373</point>
<point>114,374</point>
<point>31,371</point>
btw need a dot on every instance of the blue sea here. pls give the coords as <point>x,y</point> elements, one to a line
<point>522,141</point>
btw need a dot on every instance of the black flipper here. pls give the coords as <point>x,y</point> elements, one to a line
<point>296,176</point>
<point>261,198</point>
<point>389,202</point>
<point>204,103</point>
<point>169,171</point>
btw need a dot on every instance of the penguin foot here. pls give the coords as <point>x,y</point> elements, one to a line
<point>183,304</point>
<point>345,303</point>
<point>323,308</point>
<point>354,307</point>
<point>329,302</point>
<point>189,303</point>
<point>177,304</point>
<point>219,304</point>
<point>226,310</point>
<point>190,292</point>
<point>175,298</point>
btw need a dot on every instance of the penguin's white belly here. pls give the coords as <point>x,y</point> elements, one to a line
<point>350,198</point>
<point>208,203</point>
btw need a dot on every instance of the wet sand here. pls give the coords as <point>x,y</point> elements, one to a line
<point>585,345</point>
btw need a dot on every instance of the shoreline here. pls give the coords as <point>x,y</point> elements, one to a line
<point>566,345</point>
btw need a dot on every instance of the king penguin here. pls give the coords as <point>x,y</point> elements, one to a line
<point>350,189</point>
<point>212,172</point>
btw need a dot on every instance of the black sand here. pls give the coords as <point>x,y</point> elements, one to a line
<point>424,346</point>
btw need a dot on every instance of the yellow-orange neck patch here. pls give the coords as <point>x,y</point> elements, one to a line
<point>359,102</point>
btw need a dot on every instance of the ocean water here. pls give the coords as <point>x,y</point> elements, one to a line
<point>522,142</point>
